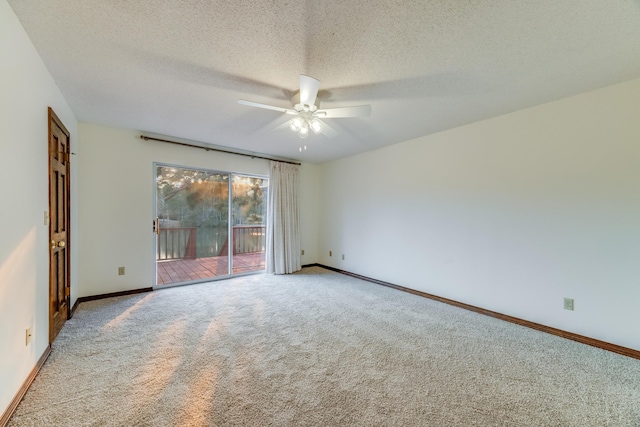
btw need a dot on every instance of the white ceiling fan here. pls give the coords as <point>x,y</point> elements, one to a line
<point>307,114</point>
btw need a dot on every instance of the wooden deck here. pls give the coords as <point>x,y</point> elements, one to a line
<point>184,270</point>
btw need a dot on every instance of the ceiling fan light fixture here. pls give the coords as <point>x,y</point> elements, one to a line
<point>304,130</point>
<point>306,112</point>
<point>295,124</point>
<point>315,125</point>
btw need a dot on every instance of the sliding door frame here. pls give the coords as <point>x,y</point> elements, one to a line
<point>247,175</point>
<point>230,221</point>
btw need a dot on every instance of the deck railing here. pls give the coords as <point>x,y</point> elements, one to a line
<point>249,239</point>
<point>177,243</point>
<point>180,242</point>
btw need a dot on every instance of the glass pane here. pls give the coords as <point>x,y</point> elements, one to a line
<point>193,210</point>
<point>249,223</point>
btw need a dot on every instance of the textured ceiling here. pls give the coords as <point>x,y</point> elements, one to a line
<point>176,68</point>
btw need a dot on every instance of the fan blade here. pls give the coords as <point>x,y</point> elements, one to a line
<point>335,113</point>
<point>308,90</point>
<point>327,130</point>
<point>281,126</point>
<point>266,107</point>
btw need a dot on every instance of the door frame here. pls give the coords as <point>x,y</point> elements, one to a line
<point>53,118</point>
<point>230,175</point>
<point>155,166</point>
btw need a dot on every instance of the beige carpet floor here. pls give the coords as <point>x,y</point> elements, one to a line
<point>318,348</point>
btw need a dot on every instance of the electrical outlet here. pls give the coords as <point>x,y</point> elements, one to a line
<point>330,254</point>
<point>568,304</point>
<point>120,271</point>
<point>27,336</point>
<point>302,252</point>
<point>343,257</point>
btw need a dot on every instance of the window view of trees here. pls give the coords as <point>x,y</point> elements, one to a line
<point>249,199</point>
<point>191,198</point>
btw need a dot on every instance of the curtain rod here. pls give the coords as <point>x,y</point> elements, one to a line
<point>253,156</point>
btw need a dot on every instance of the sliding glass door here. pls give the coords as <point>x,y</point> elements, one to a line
<point>195,239</point>
<point>249,223</point>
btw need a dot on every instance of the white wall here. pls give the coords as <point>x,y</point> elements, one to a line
<point>309,209</point>
<point>26,90</point>
<point>116,203</point>
<point>510,214</point>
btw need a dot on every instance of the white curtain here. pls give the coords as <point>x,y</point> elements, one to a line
<point>283,219</point>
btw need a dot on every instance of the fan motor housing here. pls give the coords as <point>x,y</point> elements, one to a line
<point>295,101</point>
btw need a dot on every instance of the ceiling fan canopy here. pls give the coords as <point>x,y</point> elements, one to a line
<point>307,113</point>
